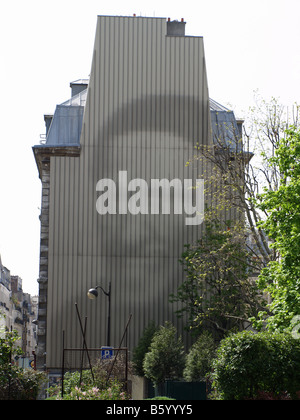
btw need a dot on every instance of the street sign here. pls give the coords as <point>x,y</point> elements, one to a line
<point>106,352</point>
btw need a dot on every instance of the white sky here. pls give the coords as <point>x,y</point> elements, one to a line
<point>45,45</point>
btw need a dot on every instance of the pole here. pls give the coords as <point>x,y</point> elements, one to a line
<point>63,365</point>
<point>84,342</point>
<point>108,294</point>
<point>113,363</point>
<point>82,354</point>
<point>108,317</point>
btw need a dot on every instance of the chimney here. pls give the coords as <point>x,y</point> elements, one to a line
<point>175,28</point>
<point>48,120</point>
<point>79,86</point>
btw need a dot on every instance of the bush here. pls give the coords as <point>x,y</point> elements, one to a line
<point>166,359</point>
<point>142,348</point>
<point>112,392</point>
<point>16,383</point>
<point>31,383</point>
<point>199,358</point>
<point>20,384</point>
<point>250,365</point>
<point>82,386</point>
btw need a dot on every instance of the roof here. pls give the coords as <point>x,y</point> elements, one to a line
<point>80,82</point>
<point>66,124</point>
<point>79,99</point>
<point>215,106</point>
<point>65,128</point>
<point>225,128</point>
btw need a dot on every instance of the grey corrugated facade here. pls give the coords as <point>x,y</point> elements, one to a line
<point>147,105</point>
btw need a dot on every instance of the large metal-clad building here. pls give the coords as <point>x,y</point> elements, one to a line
<point>106,216</point>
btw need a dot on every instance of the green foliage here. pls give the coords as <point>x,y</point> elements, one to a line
<point>7,347</point>
<point>281,278</point>
<point>166,358</point>
<point>74,380</point>
<point>82,386</point>
<point>249,364</point>
<point>142,348</point>
<point>199,358</point>
<point>112,392</point>
<point>16,383</point>
<point>217,292</point>
<point>20,384</point>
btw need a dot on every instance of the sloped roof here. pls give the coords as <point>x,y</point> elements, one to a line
<point>65,128</point>
<point>80,82</point>
<point>225,129</point>
<point>215,106</point>
<point>77,100</point>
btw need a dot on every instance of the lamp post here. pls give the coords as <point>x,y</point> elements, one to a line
<point>93,294</point>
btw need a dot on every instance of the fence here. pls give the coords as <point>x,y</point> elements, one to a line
<point>105,359</point>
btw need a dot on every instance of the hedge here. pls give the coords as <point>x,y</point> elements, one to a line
<point>249,365</point>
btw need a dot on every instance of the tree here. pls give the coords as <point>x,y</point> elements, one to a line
<point>281,278</point>
<point>243,166</point>
<point>219,285</point>
<point>142,348</point>
<point>8,348</point>
<point>166,358</point>
<point>217,293</point>
<point>199,358</point>
<point>16,383</point>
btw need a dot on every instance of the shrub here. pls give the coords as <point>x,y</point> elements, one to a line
<point>142,348</point>
<point>112,392</point>
<point>31,382</point>
<point>249,365</point>
<point>82,386</point>
<point>199,358</point>
<point>166,359</point>
<point>16,383</point>
<point>20,384</point>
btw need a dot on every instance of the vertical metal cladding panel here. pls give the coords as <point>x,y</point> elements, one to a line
<point>147,106</point>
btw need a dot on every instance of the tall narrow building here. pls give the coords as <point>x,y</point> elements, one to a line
<point>118,200</point>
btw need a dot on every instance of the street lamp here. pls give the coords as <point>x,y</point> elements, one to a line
<point>93,294</point>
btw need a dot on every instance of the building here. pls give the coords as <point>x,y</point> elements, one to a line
<point>118,200</point>
<point>5,301</point>
<point>18,311</point>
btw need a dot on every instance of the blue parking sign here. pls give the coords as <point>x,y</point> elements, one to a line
<point>106,352</point>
